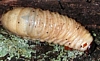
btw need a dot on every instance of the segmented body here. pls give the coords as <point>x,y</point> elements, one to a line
<point>47,26</point>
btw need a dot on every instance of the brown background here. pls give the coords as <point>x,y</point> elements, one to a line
<point>86,12</point>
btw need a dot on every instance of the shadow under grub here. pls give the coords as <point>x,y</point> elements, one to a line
<point>86,12</point>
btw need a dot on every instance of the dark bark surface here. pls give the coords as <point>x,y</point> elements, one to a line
<point>86,12</point>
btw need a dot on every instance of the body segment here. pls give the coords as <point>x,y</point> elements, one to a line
<point>47,26</point>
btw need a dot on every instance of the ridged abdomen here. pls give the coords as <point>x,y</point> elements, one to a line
<point>47,26</point>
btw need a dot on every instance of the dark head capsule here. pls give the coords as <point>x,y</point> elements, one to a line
<point>91,48</point>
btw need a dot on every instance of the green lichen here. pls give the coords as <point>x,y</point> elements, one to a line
<point>58,54</point>
<point>97,36</point>
<point>13,45</point>
<point>16,46</point>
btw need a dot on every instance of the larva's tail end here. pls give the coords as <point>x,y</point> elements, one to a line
<point>91,48</point>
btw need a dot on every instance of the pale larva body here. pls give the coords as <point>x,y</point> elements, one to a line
<point>47,26</point>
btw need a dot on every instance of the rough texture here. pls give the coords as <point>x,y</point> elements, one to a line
<point>87,12</point>
<point>48,27</point>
